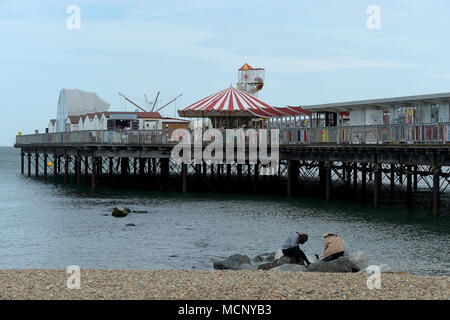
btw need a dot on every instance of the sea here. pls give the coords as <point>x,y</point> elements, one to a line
<point>49,225</point>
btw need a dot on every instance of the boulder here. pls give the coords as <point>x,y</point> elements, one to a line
<point>231,263</point>
<point>358,260</point>
<point>265,257</point>
<point>341,264</point>
<point>247,266</point>
<point>119,212</point>
<point>276,263</point>
<point>291,267</point>
<point>279,254</point>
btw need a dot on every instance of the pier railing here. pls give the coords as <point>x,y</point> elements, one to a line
<point>385,134</point>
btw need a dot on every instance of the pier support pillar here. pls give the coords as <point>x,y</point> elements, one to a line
<point>164,176</point>
<point>29,164</point>
<point>363,180</point>
<point>86,167</point>
<point>66,169</point>
<point>229,172</point>
<point>436,182</point>
<point>204,170</point>
<point>142,167</point>
<point>292,176</point>
<point>355,176</point>
<point>124,166</point>
<point>111,166</point>
<point>415,179</point>
<point>408,186</point>
<point>78,169</point>
<point>184,177</point>
<point>45,166</point>
<point>392,181</point>
<point>211,168</point>
<point>376,185</point>
<point>22,162</point>
<point>322,177</point>
<point>349,175</point>
<point>256,177</point>
<point>239,172</point>
<point>328,180</point>
<point>36,165</point>
<point>93,174</point>
<point>55,168</point>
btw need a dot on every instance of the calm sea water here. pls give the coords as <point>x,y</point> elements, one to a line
<point>44,225</point>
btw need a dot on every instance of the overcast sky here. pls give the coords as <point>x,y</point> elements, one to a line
<point>313,52</point>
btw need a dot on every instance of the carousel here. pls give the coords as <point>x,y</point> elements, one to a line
<point>232,108</point>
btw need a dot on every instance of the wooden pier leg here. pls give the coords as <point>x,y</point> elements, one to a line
<point>239,172</point>
<point>78,169</point>
<point>292,177</point>
<point>355,175</point>
<point>392,181</point>
<point>29,164</point>
<point>99,167</point>
<point>349,175</point>
<point>45,166</point>
<point>256,177</point>
<point>93,174</point>
<point>371,169</point>
<point>124,166</point>
<point>400,175</point>
<point>66,170</point>
<point>204,170</point>
<point>363,180</point>
<point>377,185</point>
<point>212,171</point>
<point>415,179</point>
<point>328,180</point>
<point>164,176</point>
<point>142,167</point>
<point>111,166</point>
<point>249,171</point>
<point>229,172</point>
<point>184,177</point>
<point>408,186</point>
<point>436,182</point>
<point>55,167</point>
<point>58,162</point>
<point>322,177</point>
<point>86,166</point>
<point>22,162</point>
<point>135,166</point>
<point>36,165</point>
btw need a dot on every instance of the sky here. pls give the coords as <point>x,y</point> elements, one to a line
<point>313,52</point>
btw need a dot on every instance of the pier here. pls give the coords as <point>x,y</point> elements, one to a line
<point>370,167</point>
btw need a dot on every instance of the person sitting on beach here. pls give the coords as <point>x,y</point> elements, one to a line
<point>291,247</point>
<point>333,247</point>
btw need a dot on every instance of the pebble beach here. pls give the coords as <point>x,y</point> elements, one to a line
<point>218,285</point>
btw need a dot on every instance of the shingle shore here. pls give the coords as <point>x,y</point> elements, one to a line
<point>241,285</point>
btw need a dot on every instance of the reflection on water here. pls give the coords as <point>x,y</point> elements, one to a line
<point>48,226</point>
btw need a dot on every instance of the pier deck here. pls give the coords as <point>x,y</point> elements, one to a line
<point>363,167</point>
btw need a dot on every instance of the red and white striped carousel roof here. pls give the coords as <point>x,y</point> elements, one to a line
<point>234,102</point>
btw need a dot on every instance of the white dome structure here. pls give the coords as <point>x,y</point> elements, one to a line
<point>75,102</point>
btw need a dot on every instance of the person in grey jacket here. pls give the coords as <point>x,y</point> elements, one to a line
<point>291,247</point>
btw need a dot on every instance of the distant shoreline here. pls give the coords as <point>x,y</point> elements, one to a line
<point>222,285</point>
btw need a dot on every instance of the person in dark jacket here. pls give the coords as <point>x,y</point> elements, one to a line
<point>291,247</point>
